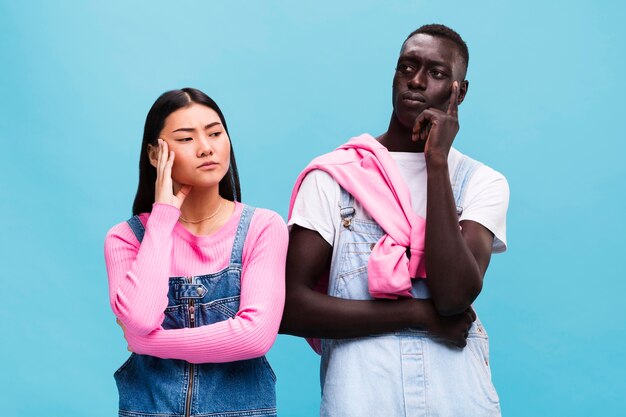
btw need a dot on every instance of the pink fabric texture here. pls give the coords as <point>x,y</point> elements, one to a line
<point>139,284</point>
<point>365,169</point>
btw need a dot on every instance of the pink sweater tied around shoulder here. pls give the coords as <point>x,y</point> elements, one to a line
<point>365,169</point>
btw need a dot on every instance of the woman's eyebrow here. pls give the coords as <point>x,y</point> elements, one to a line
<point>191,129</point>
<point>184,129</point>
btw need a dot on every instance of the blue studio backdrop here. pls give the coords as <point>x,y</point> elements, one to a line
<point>296,79</point>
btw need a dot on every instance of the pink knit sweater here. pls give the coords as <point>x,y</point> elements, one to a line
<point>139,275</point>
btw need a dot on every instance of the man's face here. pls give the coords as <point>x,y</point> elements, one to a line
<point>426,68</point>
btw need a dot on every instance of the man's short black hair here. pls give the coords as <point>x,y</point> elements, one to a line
<point>442,31</point>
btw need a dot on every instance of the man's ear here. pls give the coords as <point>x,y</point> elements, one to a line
<point>463,91</point>
<point>153,153</point>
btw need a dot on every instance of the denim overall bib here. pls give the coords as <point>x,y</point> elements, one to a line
<point>404,373</point>
<point>152,387</point>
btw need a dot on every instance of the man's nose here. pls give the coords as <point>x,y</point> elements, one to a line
<point>419,81</point>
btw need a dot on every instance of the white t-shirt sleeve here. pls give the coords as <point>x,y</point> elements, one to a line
<point>317,205</point>
<point>486,201</point>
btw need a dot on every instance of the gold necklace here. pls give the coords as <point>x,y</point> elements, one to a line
<point>206,218</point>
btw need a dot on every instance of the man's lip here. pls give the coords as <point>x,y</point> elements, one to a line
<point>413,97</point>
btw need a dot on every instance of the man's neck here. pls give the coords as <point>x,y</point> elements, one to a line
<point>397,138</point>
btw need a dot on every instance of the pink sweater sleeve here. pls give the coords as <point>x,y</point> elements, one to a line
<point>252,331</point>
<point>138,275</point>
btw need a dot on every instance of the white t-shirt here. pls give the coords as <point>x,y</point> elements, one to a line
<point>485,200</point>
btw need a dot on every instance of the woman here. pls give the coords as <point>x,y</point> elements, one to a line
<point>196,279</point>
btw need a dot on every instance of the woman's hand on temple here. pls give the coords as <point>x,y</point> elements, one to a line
<point>164,188</point>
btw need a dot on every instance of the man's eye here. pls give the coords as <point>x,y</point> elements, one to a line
<point>405,69</point>
<point>438,74</point>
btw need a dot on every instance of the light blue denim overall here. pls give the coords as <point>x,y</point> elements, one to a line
<point>152,387</point>
<point>405,373</point>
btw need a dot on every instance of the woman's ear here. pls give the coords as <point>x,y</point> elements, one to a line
<point>153,154</point>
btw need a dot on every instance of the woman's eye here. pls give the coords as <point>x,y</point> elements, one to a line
<point>183,140</point>
<point>215,134</point>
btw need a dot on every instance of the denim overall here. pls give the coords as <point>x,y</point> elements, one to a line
<point>149,386</point>
<point>404,373</point>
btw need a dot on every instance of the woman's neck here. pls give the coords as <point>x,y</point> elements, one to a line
<point>204,211</point>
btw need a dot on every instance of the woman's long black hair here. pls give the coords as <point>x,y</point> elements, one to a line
<point>165,105</point>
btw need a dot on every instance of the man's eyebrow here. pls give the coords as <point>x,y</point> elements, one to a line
<point>411,57</point>
<point>191,129</point>
<point>441,64</point>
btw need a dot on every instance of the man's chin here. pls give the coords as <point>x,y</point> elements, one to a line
<point>407,119</point>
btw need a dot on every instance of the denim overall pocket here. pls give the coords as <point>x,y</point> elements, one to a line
<point>478,347</point>
<point>358,241</point>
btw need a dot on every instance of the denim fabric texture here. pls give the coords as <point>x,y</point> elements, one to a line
<point>149,386</point>
<point>405,373</point>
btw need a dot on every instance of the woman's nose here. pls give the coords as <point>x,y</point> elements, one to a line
<point>204,146</point>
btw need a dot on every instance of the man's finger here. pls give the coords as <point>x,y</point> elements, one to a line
<point>425,132</point>
<point>420,124</point>
<point>417,128</point>
<point>453,106</point>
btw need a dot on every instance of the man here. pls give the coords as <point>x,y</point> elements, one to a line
<point>414,348</point>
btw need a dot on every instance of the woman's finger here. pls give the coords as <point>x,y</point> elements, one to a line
<point>167,171</point>
<point>162,157</point>
<point>182,193</point>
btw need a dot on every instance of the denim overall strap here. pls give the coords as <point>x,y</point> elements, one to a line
<point>137,227</point>
<point>462,174</point>
<point>346,208</point>
<point>240,236</point>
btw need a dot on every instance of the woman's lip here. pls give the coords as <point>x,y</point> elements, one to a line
<point>208,164</point>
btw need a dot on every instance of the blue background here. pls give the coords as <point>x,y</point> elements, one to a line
<point>295,80</point>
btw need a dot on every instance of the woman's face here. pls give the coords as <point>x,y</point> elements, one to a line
<point>200,143</point>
